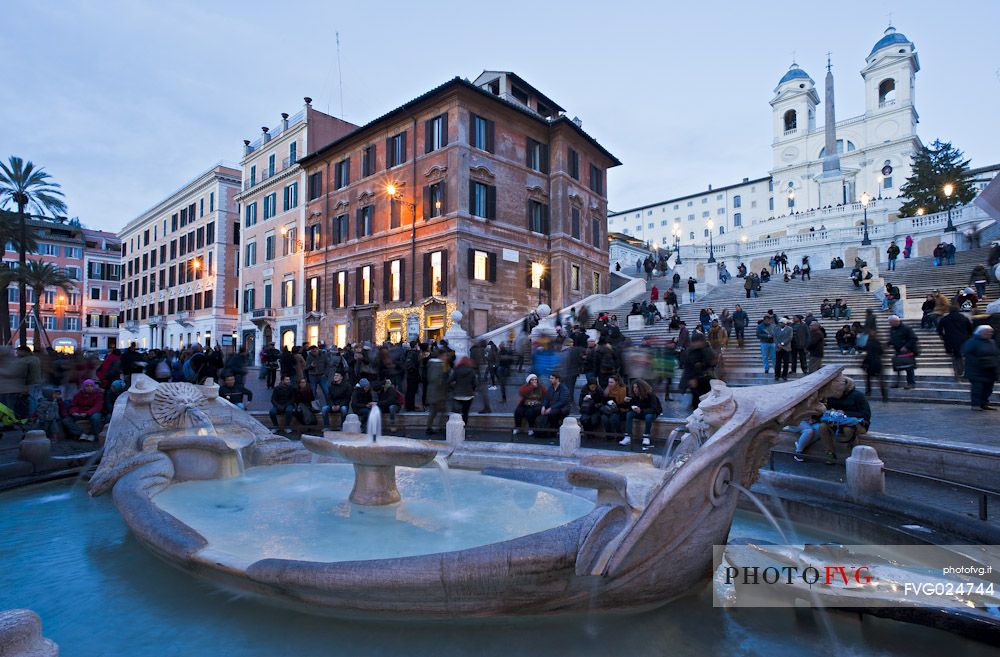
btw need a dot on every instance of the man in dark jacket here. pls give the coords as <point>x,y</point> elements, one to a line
<point>555,404</point>
<point>411,375</point>
<point>362,401</point>
<point>904,342</point>
<point>982,366</point>
<point>853,404</point>
<point>691,287</point>
<point>698,362</point>
<point>338,399</point>
<point>800,343</point>
<point>955,329</point>
<point>740,323</point>
<point>234,392</point>
<point>317,370</point>
<point>281,402</point>
<point>271,358</point>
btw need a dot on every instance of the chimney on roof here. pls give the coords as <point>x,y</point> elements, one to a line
<point>246,147</point>
<point>578,122</point>
<point>308,101</point>
<point>284,121</point>
<point>710,187</point>
<point>266,137</point>
<point>746,180</point>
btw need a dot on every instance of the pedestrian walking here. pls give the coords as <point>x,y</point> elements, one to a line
<point>982,365</point>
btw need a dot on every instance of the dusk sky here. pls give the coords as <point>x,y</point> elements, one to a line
<point>123,102</point>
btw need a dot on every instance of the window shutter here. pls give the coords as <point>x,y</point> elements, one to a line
<point>472,197</point>
<point>347,172</point>
<point>527,159</point>
<point>444,129</point>
<point>402,150</point>
<point>545,219</point>
<point>427,275</point>
<point>489,136</point>
<point>402,279</point>
<point>527,274</point>
<point>427,202</point>
<point>319,295</point>
<point>471,263</point>
<point>359,218</point>
<point>491,267</point>
<point>545,158</point>
<point>444,273</point>
<point>388,153</point>
<point>385,280</point>
<point>428,142</point>
<point>357,287</point>
<point>472,129</point>
<point>444,195</point>
<point>491,202</point>
<point>529,215</point>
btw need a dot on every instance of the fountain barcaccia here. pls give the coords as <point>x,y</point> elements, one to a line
<point>644,539</point>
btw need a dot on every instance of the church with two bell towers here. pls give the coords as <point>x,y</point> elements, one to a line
<point>834,164</point>
<point>818,160</point>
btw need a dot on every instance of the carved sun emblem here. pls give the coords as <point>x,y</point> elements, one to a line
<point>172,400</point>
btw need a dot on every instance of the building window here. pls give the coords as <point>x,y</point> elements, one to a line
<point>250,257</point>
<point>434,200</point>
<point>436,273</point>
<point>253,178</point>
<point>573,159</point>
<point>705,214</point>
<point>722,230</point>
<point>575,222</point>
<point>482,265</point>
<point>270,165</point>
<point>791,121</point>
<point>887,93</point>
<point>393,280</point>
<point>201,212</point>
<point>95,293</point>
<point>737,201</point>
<point>288,293</point>
<point>293,153</point>
<point>290,242</point>
<point>538,217</point>
<point>314,237</point>
<point>342,173</point>
<point>364,283</point>
<point>248,299</point>
<point>270,205</point>
<point>364,221</point>
<point>482,200</point>
<point>595,283</point>
<point>267,293</point>
<point>113,293</point>
<point>312,294</point>
<point>340,228</point>
<point>706,232</point>
<point>368,161</point>
<point>574,277</point>
<point>481,131</point>
<point>537,156</point>
<point>211,208</point>
<point>595,232</point>
<point>315,185</point>
<point>720,211</point>
<point>291,196</point>
<point>738,219</point>
<point>436,133</point>
<point>536,275</point>
<point>770,204</point>
<point>691,236</point>
<point>340,290</point>
<point>596,179</point>
<point>269,247</point>
<point>395,150</point>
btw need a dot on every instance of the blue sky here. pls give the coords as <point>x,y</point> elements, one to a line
<point>125,101</point>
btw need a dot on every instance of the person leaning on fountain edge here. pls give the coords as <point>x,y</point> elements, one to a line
<point>362,401</point>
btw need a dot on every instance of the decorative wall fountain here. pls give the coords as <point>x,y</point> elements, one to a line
<point>646,541</point>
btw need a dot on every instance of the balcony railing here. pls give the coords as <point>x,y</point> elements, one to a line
<point>157,320</point>
<point>262,313</point>
<point>890,102</point>
<point>132,327</point>
<point>277,130</point>
<point>791,131</point>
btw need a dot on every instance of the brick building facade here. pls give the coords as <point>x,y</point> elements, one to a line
<point>481,197</point>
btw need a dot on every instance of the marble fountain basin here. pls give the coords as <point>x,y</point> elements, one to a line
<point>455,544</point>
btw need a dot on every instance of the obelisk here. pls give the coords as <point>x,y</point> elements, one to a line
<point>831,161</point>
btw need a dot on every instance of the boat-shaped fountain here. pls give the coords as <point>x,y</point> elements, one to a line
<point>349,524</point>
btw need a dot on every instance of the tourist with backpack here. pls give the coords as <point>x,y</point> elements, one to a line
<point>904,342</point>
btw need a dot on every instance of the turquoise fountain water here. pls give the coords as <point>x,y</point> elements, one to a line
<point>100,593</point>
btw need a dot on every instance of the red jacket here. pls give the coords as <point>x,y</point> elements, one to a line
<point>654,294</point>
<point>87,403</point>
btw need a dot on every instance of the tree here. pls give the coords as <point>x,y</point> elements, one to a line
<point>932,168</point>
<point>27,188</point>
<point>39,276</point>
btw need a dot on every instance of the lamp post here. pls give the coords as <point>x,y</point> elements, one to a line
<point>865,200</point>
<point>677,242</point>
<point>711,251</point>
<point>949,189</point>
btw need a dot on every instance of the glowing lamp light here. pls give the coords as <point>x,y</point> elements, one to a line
<point>284,230</point>
<point>949,189</point>
<point>920,212</point>
<point>866,198</point>
<point>391,189</point>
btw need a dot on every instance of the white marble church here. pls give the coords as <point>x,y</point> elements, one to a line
<point>813,167</point>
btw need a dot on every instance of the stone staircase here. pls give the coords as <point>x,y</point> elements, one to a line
<point>935,381</point>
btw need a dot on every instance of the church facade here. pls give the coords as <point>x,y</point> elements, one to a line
<point>813,167</point>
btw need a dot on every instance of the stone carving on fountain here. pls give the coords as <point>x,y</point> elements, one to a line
<point>150,413</point>
<point>647,540</point>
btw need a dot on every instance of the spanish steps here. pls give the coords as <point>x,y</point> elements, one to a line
<point>935,380</point>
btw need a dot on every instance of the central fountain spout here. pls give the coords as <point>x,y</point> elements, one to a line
<point>374,462</point>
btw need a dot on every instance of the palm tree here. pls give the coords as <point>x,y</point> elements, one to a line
<point>26,187</point>
<point>40,275</point>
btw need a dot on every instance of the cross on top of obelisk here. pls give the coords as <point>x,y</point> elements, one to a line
<point>829,65</point>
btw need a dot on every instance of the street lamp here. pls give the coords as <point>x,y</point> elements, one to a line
<point>711,252</point>
<point>677,242</point>
<point>948,191</point>
<point>920,212</point>
<point>866,198</point>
